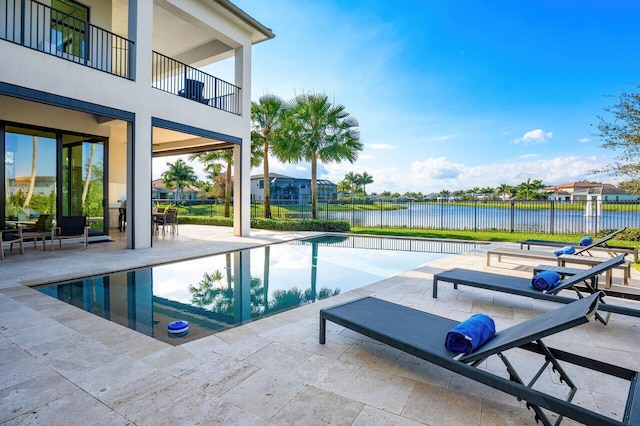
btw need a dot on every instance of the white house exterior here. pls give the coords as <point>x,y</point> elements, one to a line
<point>587,191</point>
<point>90,91</point>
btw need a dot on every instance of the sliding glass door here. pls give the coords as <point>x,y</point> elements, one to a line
<point>29,176</point>
<point>83,189</point>
<point>47,172</point>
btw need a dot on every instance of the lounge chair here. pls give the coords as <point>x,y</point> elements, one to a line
<point>13,236</point>
<point>600,245</point>
<point>423,335</point>
<point>561,261</point>
<point>71,227</point>
<point>585,280</point>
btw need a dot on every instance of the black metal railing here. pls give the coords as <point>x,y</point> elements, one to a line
<point>552,217</point>
<point>43,28</point>
<point>395,244</point>
<point>172,76</point>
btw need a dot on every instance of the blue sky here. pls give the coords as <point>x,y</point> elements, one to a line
<point>455,94</point>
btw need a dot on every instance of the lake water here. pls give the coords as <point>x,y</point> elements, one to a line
<point>451,216</point>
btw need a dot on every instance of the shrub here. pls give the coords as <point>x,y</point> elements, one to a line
<point>629,234</point>
<point>274,224</point>
<point>301,225</point>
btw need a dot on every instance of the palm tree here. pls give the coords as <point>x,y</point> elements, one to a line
<point>344,186</point>
<point>213,160</point>
<point>87,180</point>
<point>503,188</point>
<point>444,194</point>
<point>352,179</point>
<point>266,117</point>
<point>314,129</point>
<point>32,179</point>
<point>179,174</point>
<point>364,179</point>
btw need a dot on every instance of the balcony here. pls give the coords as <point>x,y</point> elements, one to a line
<point>37,26</point>
<point>172,76</point>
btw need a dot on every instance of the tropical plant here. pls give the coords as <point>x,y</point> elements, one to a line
<point>315,130</point>
<point>178,176</point>
<point>623,134</point>
<point>266,117</point>
<point>529,190</point>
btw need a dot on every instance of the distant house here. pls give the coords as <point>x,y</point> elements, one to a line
<point>160,192</point>
<point>588,191</point>
<point>289,190</point>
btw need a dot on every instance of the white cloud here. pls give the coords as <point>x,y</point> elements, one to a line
<point>584,140</point>
<point>301,168</point>
<point>533,137</point>
<point>529,156</point>
<point>436,169</point>
<point>435,174</point>
<point>380,146</point>
<point>444,137</point>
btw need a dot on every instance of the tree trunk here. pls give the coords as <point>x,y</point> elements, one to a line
<point>267,182</point>
<point>314,187</point>
<point>265,280</point>
<point>314,271</point>
<point>87,180</point>
<point>227,191</point>
<point>32,181</point>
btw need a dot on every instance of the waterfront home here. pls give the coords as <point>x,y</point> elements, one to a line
<point>91,91</point>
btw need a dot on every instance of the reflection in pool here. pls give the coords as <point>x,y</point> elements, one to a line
<point>217,292</point>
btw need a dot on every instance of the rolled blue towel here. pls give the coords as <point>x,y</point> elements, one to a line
<point>545,280</point>
<point>470,334</point>
<point>565,250</point>
<point>586,241</point>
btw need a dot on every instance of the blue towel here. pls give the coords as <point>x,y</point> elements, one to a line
<point>545,280</point>
<point>470,334</point>
<point>565,250</point>
<point>586,241</point>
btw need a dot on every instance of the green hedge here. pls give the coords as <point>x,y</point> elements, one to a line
<point>274,224</point>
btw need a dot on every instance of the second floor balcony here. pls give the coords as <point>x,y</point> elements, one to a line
<point>68,35</point>
<point>56,32</point>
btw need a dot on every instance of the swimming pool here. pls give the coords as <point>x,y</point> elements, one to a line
<point>217,292</point>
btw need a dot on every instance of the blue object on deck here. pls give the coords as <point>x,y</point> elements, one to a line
<point>470,334</point>
<point>545,280</point>
<point>565,250</point>
<point>586,241</point>
<point>178,328</point>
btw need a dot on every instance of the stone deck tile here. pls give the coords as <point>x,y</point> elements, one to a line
<point>61,365</point>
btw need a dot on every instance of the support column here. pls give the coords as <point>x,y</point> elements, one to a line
<point>242,153</point>
<point>139,183</point>
<point>139,133</point>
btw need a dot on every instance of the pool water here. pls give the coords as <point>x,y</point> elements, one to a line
<point>217,292</point>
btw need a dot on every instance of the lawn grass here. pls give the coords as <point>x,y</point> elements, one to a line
<point>512,237</point>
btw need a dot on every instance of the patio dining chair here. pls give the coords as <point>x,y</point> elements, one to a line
<point>169,219</point>
<point>13,236</point>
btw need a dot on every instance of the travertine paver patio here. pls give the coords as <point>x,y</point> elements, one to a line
<point>61,365</point>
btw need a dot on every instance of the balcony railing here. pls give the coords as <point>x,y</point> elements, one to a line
<point>40,27</point>
<point>180,79</point>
